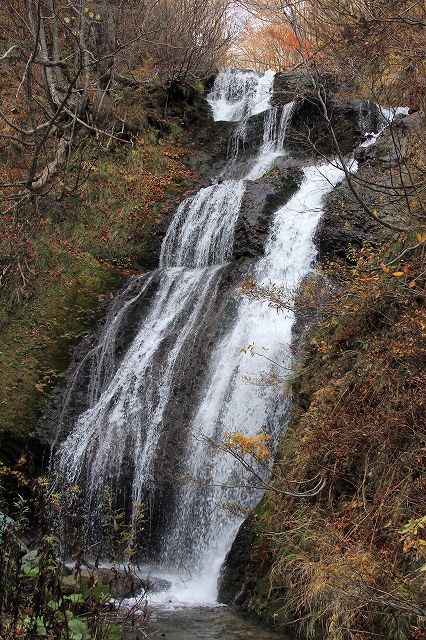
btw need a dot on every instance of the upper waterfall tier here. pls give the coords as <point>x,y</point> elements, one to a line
<point>237,94</point>
<point>202,230</point>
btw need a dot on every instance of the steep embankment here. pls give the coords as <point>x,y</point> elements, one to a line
<point>349,561</point>
<point>77,251</point>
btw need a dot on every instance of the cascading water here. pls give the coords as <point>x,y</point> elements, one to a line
<point>133,432</point>
<point>237,94</point>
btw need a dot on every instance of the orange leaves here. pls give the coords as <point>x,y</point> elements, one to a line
<point>413,536</point>
<point>242,445</point>
<point>274,46</point>
<point>283,35</point>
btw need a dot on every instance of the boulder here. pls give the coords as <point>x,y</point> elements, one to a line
<point>309,135</point>
<point>122,584</point>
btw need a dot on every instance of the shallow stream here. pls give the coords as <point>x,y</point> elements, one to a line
<point>206,623</point>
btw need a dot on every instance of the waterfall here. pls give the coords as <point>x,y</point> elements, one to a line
<point>160,380</point>
<point>237,94</point>
<point>230,400</point>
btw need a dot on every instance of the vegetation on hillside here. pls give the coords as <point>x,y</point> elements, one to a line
<point>349,561</point>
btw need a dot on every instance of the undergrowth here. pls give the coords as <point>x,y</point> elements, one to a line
<point>41,596</point>
<point>350,563</point>
<point>64,256</point>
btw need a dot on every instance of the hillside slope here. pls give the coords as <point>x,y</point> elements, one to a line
<point>348,562</point>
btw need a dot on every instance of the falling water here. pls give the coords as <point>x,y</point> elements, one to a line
<point>147,396</point>
<point>238,94</point>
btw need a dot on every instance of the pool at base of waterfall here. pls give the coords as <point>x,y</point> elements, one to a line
<point>204,623</point>
<point>182,607</point>
<point>170,590</point>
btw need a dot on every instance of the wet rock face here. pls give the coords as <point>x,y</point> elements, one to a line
<point>288,85</point>
<point>345,224</point>
<point>234,571</point>
<point>187,386</point>
<point>309,133</point>
<point>261,199</point>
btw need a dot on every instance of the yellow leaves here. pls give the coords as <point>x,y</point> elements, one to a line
<point>410,535</point>
<point>13,473</point>
<point>401,272</point>
<point>242,445</point>
<point>92,14</point>
<point>248,350</point>
<point>421,237</point>
<point>319,585</point>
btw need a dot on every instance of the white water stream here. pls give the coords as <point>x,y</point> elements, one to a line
<point>120,436</point>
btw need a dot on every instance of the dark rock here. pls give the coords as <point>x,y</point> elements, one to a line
<point>261,199</point>
<point>122,584</point>
<point>182,100</point>
<point>363,154</point>
<point>152,584</point>
<point>288,85</point>
<point>235,569</point>
<point>309,133</point>
<point>343,225</point>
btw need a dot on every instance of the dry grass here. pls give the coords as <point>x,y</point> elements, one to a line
<point>341,566</point>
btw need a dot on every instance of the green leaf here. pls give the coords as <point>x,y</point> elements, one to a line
<point>41,630</point>
<point>78,629</point>
<point>53,604</point>
<point>76,598</point>
<point>113,633</point>
<point>28,570</point>
<point>100,592</point>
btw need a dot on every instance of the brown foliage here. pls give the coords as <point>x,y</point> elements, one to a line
<point>379,43</point>
<point>360,423</point>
